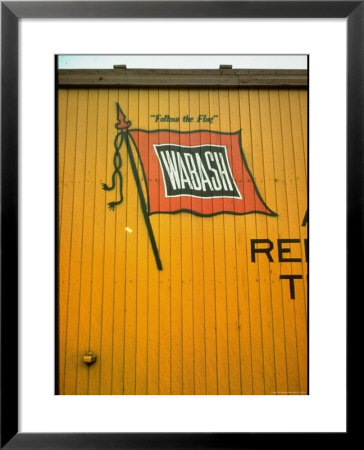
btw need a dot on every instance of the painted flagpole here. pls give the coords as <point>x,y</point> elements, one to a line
<point>143,203</point>
<point>122,125</point>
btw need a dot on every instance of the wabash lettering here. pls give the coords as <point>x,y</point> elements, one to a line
<point>198,171</point>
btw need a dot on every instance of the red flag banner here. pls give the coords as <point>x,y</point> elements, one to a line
<point>202,172</point>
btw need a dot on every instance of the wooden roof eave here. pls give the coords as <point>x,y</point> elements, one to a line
<point>229,78</point>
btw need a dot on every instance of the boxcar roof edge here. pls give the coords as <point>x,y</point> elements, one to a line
<point>208,78</point>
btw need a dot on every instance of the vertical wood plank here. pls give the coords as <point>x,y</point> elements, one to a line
<point>208,274</point>
<point>255,317</point>
<point>75,263</point>
<point>274,176</point>
<point>142,270</point>
<point>153,281</point>
<point>218,239</point>
<point>66,213</point>
<point>118,337</point>
<point>262,178</point>
<point>164,280</point>
<point>230,123</point>
<point>241,261</point>
<point>197,263</point>
<point>132,235</point>
<point>87,240</point>
<point>99,237</point>
<point>298,141</point>
<point>108,281</point>
<point>62,135</point>
<point>187,274</point>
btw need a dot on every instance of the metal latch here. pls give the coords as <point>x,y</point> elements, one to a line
<point>89,358</point>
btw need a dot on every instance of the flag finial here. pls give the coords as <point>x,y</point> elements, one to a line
<point>122,123</point>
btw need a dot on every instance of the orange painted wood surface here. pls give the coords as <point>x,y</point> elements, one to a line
<point>213,321</point>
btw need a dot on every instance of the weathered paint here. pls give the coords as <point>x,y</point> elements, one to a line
<point>213,321</point>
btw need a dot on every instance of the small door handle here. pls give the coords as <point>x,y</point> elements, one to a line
<point>89,358</point>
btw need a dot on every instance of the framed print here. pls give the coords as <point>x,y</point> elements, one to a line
<point>170,207</point>
<point>131,143</point>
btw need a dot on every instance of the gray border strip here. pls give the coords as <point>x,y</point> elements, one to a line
<point>183,9</point>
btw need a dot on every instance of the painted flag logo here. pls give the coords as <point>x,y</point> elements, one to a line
<point>201,172</point>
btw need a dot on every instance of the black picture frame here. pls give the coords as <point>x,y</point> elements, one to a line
<point>11,12</point>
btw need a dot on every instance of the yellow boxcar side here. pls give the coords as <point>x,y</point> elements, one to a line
<point>220,317</point>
